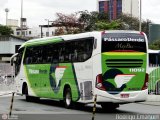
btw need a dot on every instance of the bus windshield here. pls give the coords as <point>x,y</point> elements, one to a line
<point>123,42</point>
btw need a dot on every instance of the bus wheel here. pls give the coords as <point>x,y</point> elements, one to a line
<point>109,107</point>
<point>30,98</point>
<point>67,98</point>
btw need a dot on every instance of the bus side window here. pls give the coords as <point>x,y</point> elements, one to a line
<point>85,48</point>
<point>18,61</point>
<point>75,55</point>
<point>49,59</point>
<point>61,52</point>
<point>154,60</point>
<point>39,54</point>
<point>46,56</point>
<point>55,55</point>
<point>28,59</point>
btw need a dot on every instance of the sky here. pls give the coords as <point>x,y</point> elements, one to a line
<point>37,11</point>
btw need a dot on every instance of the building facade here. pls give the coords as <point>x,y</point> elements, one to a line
<point>8,46</point>
<point>35,32</point>
<point>154,30</point>
<point>26,32</point>
<point>114,8</point>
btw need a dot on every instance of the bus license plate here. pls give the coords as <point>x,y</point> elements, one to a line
<point>124,95</point>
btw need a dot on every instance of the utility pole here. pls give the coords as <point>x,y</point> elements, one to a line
<point>131,4</point>
<point>21,18</point>
<point>6,10</point>
<point>140,16</point>
<point>47,27</point>
<point>131,8</point>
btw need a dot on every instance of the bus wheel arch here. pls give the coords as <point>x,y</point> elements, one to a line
<point>25,92</point>
<point>24,89</point>
<point>67,96</point>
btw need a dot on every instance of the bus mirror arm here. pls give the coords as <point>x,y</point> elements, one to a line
<point>11,63</point>
<point>12,59</point>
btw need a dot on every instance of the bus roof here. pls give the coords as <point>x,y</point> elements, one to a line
<point>69,37</point>
<point>154,51</point>
<point>121,31</point>
<point>56,39</point>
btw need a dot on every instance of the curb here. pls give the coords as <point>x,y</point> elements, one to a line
<point>6,93</point>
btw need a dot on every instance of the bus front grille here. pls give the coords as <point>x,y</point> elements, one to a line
<point>124,63</point>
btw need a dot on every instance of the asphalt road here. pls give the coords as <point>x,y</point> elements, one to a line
<point>46,109</point>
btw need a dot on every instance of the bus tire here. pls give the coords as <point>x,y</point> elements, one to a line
<point>109,107</point>
<point>67,98</point>
<point>30,98</point>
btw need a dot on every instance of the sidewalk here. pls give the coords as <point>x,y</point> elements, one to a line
<point>153,98</point>
<point>6,90</point>
<point>150,103</point>
<point>5,93</point>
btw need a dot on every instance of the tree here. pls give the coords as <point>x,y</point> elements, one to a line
<point>127,19</point>
<point>97,21</point>
<point>88,20</point>
<point>84,21</point>
<point>59,31</point>
<point>67,24</point>
<point>93,20</point>
<point>100,25</point>
<point>145,26</point>
<point>155,45</point>
<point>81,21</point>
<point>5,30</point>
<point>132,23</point>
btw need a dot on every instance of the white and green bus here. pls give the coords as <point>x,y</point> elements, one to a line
<point>154,72</point>
<point>75,68</point>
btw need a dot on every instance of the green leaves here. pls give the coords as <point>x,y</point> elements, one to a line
<point>85,21</point>
<point>155,45</point>
<point>100,25</point>
<point>5,30</point>
<point>97,21</point>
<point>132,23</point>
